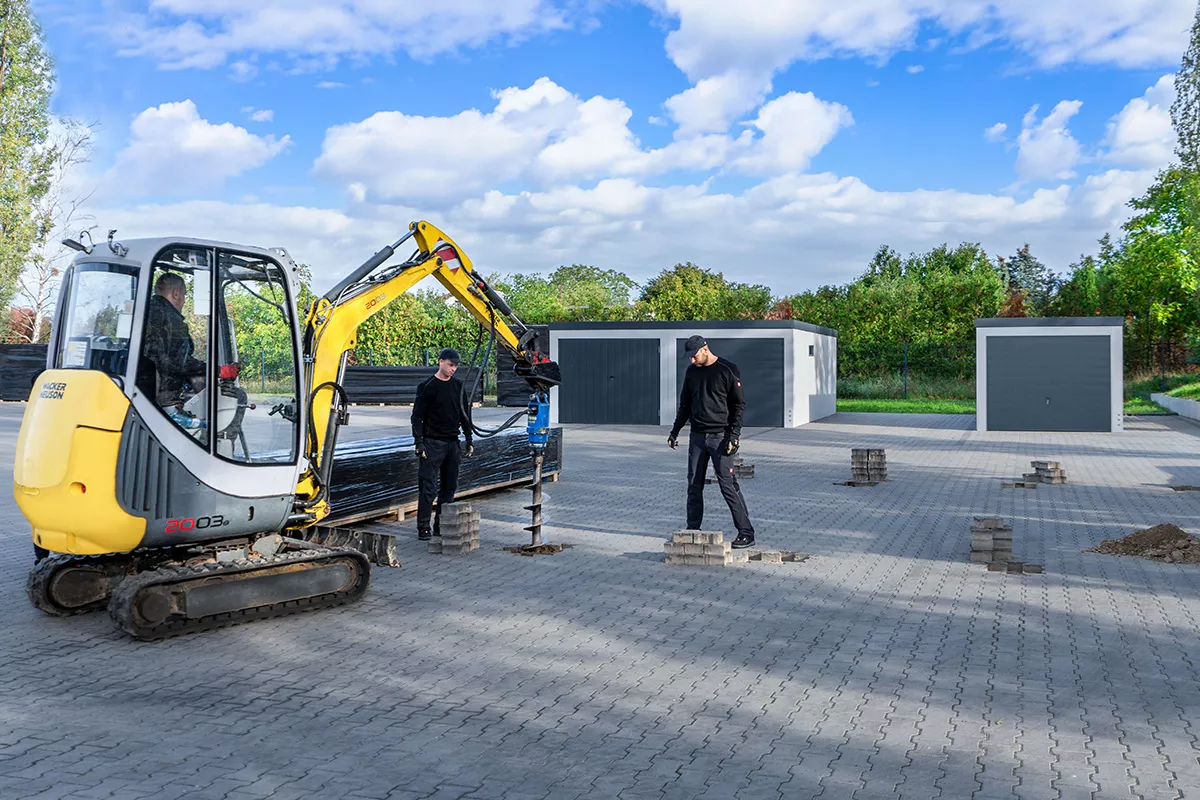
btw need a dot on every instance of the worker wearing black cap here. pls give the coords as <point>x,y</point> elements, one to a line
<point>440,410</point>
<point>713,403</point>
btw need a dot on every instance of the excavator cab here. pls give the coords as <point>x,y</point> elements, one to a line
<point>169,364</point>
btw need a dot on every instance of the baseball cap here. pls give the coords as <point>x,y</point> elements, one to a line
<point>449,354</point>
<point>693,345</point>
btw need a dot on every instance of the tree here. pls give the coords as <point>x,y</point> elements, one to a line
<point>26,81</point>
<point>56,214</point>
<point>1090,289</point>
<point>933,297</point>
<point>689,292</point>
<point>886,263</point>
<point>571,293</point>
<point>1185,111</point>
<point>1014,303</point>
<point>1023,272</point>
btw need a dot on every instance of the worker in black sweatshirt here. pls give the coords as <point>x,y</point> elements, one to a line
<point>439,411</point>
<point>712,401</point>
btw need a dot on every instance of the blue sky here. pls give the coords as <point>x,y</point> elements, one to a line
<point>780,141</point>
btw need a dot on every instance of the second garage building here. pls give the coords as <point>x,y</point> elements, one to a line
<point>1049,374</point>
<point>630,373</point>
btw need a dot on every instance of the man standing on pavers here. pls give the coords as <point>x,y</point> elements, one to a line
<point>438,412</point>
<point>713,402</point>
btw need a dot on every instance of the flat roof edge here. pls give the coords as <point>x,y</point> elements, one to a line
<point>696,326</point>
<point>1050,322</point>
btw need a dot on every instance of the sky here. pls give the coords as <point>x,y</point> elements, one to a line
<point>780,142</point>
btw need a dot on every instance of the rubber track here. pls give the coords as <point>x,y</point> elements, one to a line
<point>37,586</point>
<point>120,607</point>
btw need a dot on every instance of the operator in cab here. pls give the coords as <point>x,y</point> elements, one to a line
<point>440,410</point>
<point>168,365</point>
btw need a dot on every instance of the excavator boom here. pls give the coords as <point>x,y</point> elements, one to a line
<point>331,332</point>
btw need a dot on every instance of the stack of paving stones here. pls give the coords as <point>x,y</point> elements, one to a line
<point>460,531</point>
<point>992,544</point>
<point>868,465</point>
<point>1047,472</point>
<point>699,549</point>
<point>991,541</point>
<point>742,470</point>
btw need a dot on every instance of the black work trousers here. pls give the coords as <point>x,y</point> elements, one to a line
<point>437,476</point>
<point>702,448</point>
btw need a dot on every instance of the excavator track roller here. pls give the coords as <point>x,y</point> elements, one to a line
<point>63,586</point>
<point>175,600</point>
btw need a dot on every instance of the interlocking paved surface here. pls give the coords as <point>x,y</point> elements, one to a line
<point>884,666</point>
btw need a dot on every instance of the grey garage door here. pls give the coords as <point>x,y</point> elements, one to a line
<point>1049,383</point>
<point>760,362</point>
<point>613,381</point>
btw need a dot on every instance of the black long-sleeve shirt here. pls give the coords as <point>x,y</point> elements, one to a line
<point>440,410</point>
<point>167,361</point>
<point>712,400</point>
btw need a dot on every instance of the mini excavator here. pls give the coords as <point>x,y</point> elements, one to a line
<point>166,480</point>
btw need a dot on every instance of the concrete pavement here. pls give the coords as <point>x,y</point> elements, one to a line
<point>886,665</point>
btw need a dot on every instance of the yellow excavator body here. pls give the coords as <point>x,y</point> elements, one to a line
<point>64,477</point>
<point>163,482</point>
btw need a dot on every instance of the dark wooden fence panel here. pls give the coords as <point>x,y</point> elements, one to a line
<point>374,476</point>
<point>397,385</point>
<point>511,389</point>
<point>20,364</point>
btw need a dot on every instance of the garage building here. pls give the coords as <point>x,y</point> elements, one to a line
<point>1049,374</point>
<point>630,373</point>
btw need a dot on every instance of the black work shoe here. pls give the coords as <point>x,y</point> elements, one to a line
<point>424,535</point>
<point>742,542</point>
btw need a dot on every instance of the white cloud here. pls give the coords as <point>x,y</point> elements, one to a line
<point>714,37</point>
<point>794,127</point>
<point>330,85</point>
<point>995,133</point>
<point>206,33</point>
<point>545,136</point>
<point>259,114</point>
<point>1046,148</point>
<point>1142,135</point>
<point>714,103</point>
<point>173,151</point>
<point>242,71</point>
<point>813,229</point>
<point>914,69</point>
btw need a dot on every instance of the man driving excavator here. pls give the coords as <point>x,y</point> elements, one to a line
<point>168,363</point>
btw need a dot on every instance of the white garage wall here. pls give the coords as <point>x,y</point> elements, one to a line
<point>815,381</point>
<point>1116,362</point>
<point>809,393</point>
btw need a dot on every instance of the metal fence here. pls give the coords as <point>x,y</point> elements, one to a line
<point>863,359</point>
<point>872,369</point>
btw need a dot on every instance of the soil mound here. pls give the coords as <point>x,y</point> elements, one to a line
<point>1160,543</point>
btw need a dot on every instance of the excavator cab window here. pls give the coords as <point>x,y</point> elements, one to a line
<point>96,318</point>
<point>257,376</point>
<point>173,367</point>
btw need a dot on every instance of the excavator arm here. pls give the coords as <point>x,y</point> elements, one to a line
<point>331,332</point>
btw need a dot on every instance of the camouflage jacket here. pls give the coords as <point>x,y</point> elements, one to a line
<point>166,353</point>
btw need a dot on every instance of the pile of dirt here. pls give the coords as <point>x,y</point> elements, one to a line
<point>1160,543</point>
